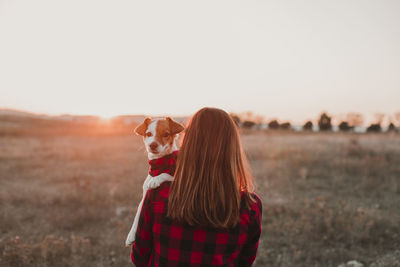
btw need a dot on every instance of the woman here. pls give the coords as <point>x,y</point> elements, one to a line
<point>207,216</point>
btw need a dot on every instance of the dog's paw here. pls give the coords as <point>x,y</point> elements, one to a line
<point>130,239</point>
<point>154,183</point>
<point>128,242</point>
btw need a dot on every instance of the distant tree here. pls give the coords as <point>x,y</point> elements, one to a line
<point>308,126</point>
<point>391,127</point>
<point>345,127</point>
<point>324,122</point>
<point>274,124</point>
<point>355,119</point>
<point>374,128</point>
<point>379,117</point>
<point>285,126</point>
<point>248,124</point>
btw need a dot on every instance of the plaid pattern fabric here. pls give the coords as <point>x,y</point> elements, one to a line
<point>162,242</point>
<point>166,164</point>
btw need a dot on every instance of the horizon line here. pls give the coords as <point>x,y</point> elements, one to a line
<point>265,120</point>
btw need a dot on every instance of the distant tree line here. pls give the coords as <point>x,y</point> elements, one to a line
<point>350,123</point>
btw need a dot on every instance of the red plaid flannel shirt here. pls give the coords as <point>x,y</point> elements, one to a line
<point>166,164</point>
<point>162,242</point>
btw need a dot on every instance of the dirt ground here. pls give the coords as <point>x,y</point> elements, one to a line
<point>69,200</point>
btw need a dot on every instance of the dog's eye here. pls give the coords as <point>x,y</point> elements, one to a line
<point>165,134</point>
<point>148,134</point>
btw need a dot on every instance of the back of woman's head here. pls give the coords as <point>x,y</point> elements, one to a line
<point>212,172</point>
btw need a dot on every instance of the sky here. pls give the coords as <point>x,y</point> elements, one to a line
<point>281,59</point>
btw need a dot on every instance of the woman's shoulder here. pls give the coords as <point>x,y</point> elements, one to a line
<point>255,203</point>
<point>255,196</point>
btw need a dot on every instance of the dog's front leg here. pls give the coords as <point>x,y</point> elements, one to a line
<point>132,233</point>
<point>158,180</point>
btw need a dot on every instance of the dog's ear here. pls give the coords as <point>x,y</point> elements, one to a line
<point>141,129</point>
<point>174,126</point>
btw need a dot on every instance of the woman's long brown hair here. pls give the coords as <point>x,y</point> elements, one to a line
<point>212,173</point>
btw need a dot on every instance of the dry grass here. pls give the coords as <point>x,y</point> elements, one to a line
<point>69,200</point>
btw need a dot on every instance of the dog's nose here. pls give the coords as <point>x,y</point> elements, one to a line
<point>153,146</point>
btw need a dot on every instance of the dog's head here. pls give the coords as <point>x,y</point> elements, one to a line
<point>159,136</point>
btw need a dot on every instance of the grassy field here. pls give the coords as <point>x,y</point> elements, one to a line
<point>69,199</point>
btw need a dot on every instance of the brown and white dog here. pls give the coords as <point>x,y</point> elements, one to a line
<point>159,138</point>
